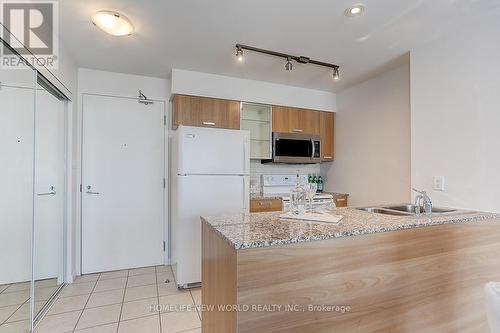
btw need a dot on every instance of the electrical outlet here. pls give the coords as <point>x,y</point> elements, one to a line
<point>438,183</point>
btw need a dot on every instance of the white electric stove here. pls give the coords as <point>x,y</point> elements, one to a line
<point>281,185</point>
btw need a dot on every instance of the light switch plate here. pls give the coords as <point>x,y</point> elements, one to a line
<point>438,183</point>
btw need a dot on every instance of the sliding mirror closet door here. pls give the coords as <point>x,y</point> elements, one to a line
<point>49,195</point>
<point>17,97</point>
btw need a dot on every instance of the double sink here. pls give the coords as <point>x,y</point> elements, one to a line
<point>405,210</point>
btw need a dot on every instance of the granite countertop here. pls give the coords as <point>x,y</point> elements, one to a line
<point>254,230</point>
<point>262,196</point>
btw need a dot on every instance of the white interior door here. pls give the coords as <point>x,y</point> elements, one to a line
<point>122,180</point>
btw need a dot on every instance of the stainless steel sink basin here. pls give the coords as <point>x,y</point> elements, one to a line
<point>409,208</point>
<point>383,211</point>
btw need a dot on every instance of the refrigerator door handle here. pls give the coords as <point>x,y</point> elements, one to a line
<point>244,195</point>
<point>244,157</point>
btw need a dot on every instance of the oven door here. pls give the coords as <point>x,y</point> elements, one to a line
<point>294,148</point>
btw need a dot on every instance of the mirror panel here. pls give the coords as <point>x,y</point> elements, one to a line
<point>17,95</point>
<point>49,196</point>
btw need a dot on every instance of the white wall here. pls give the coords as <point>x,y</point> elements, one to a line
<point>455,85</point>
<point>123,85</point>
<point>111,84</point>
<point>372,141</point>
<point>218,86</point>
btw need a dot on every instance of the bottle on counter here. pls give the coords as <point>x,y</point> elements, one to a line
<point>320,184</point>
<point>309,178</point>
<point>314,179</point>
<point>298,198</point>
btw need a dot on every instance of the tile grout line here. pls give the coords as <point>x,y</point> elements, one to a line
<point>116,322</point>
<point>158,298</point>
<point>91,327</point>
<point>123,301</point>
<point>79,317</point>
<point>6,286</point>
<point>195,304</point>
<point>5,321</point>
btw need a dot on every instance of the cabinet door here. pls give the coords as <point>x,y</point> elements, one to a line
<point>294,120</point>
<point>326,133</point>
<point>341,201</point>
<point>265,205</point>
<point>304,121</point>
<point>281,119</point>
<point>205,112</point>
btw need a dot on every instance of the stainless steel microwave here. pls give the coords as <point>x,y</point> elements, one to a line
<point>296,148</point>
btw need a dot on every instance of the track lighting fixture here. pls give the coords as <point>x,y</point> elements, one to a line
<point>239,54</point>
<point>336,74</point>
<point>288,57</point>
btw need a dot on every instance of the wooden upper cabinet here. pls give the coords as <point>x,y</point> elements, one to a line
<point>326,124</point>
<point>281,119</point>
<point>205,112</point>
<point>294,120</point>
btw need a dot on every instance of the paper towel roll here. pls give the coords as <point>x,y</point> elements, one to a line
<point>492,290</point>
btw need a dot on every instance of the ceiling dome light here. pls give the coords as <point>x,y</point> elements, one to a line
<point>288,65</point>
<point>239,54</point>
<point>113,23</point>
<point>355,10</point>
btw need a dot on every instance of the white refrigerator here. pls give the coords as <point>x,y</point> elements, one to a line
<point>210,176</point>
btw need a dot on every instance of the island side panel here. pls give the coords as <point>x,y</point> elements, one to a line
<point>417,280</point>
<point>218,278</point>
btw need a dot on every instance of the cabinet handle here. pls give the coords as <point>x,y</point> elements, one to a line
<point>341,199</point>
<point>265,203</point>
<point>209,123</point>
<point>327,157</point>
<point>297,130</point>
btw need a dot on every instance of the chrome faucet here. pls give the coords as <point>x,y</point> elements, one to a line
<point>422,200</point>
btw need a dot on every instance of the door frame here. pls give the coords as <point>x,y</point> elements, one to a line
<point>79,201</point>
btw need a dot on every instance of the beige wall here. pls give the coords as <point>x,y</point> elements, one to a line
<point>372,141</point>
<point>456,116</point>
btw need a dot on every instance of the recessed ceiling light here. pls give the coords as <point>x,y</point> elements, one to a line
<point>113,23</point>
<point>355,10</point>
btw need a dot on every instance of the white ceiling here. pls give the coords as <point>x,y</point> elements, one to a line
<point>200,35</point>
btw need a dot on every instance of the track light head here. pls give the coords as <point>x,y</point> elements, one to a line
<point>336,75</point>
<point>288,65</point>
<point>239,54</point>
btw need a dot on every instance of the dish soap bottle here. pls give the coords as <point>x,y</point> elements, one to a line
<point>298,198</point>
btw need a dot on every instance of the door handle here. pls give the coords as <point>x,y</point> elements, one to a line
<point>89,188</point>
<point>313,148</point>
<point>52,190</point>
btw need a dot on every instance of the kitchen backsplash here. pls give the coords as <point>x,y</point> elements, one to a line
<point>257,169</point>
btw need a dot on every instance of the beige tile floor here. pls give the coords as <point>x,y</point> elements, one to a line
<point>14,303</point>
<point>121,301</point>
